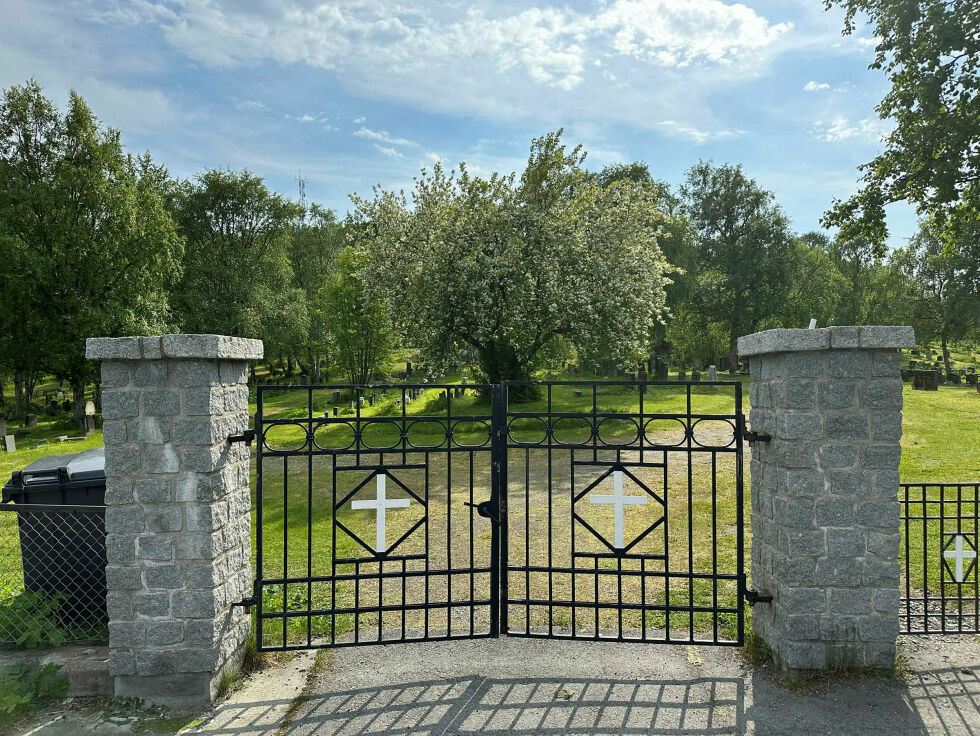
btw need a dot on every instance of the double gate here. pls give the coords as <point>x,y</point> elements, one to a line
<point>562,509</point>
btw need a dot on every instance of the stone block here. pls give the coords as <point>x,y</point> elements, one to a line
<point>122,663</point>
<point>116,374</point>
<point>793,512</point>
<point>844,336</point>
<point>150,373</point>
<point>881,457</point>
<point>803,656</point>
<point>113,348</point>
<point>838,456</point>
<point>153,431</point>
<point>114,431</point>
<point>120,606</point>
<point>153,490</point>
<point>850,482</point>
<point>834,512</point>
<point>195,604</point>
<point>155,547</point>
<point>162,633</point>
<point>802,541</point>
<point>164,518</point>
<point>168,577</point>
<point>151,347</point>
<point>783,340</point>
<point>849,364</point>
<point>161,459</point>
<point>198,431</point>
<point>195,373</point>
<point>846,542</point>
<point>887,337</point>
<point>126,634</point>
<point>120,548</point>
<point>204,401</point>
<point>851,601</point>
<point>118,490</point>
<point>233,372</point>
<point>153,605</point>
<point>880,393</point>
<point>161,403</point>
<point>886,425</point>
<point>878,628</point>
<point>120,404</point>
<point>156,662</point>
<point>796,425</point>
<point>198,660</point>
<point>794,394</point>
<point>886,363</point>
<point>122,461</point>
<point>846,427</point>
<point>837,394</point>
<point>123,520</point>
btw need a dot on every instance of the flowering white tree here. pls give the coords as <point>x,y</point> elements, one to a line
<point>507,265</point>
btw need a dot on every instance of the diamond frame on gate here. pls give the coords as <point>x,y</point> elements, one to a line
<point>347,498</point>
<point>643,535</point>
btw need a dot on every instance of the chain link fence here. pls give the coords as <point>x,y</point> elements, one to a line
<point>52,575</point>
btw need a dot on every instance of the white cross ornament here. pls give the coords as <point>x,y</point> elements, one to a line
<point>618,501</point>
<point>959,553</point>
<point>380,503</point>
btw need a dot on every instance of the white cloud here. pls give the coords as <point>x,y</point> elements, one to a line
<point>697,135</point>
<point>812,86</point>
<point>384,136</point>
<point>251,105</point>
<point>840,129</point>
<point>545,63</point>
<point>390,152</point>
<point>304,118</point>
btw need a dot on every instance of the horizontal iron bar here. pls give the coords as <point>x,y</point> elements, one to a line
<point>373,560</point>
<point>392,419</point>
<point>617,606</point>
<point>614,556</point>
<point>375,450</point>
<point>522,634</point>
<point>371,386</point>
<point>622,383</point>
<point>372,609</point>
<point>369,642</point>
<point>613,571</point>
<point>631,447</point>
<point>964,484</point>
<point>372,575</point>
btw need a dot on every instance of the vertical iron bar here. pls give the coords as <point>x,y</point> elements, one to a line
<point>498,504</point>
<point>472,559</point>
<point>309,522</point>
<point>527,539</point>
<point>714,545</point>
<point>942,559</point>
<point>925,560</point>
<point>690,517</point>
<point>571,501</point>
<point>333,550</point>
<point>285,545</point>
<point>449,513</point>
<point>259,554</point>
<point>739,517</point>
<point>551,575</point>
<point>908,566</point>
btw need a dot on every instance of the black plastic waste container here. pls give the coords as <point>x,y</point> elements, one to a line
<point>64,550</point>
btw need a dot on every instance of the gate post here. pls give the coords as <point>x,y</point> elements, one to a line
<point>825,512</point>
<point>177,517</point>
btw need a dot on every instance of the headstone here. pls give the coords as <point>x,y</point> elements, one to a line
<point>408,370</point>
<point>90,408</point>
<point>971,378</point>
<point>696,376</point>
<point>31,420</point>
<point>3,427</point>
<point>336,397</point>
<point>712,374</point>
<point>352,406</point>
<point>336,411</point>
<point>681,375</point>
<point>371,400</point>
<point>578,393</point>
<point>661,369</point>
<point>925,380</point>
<point>88,423</point>
<point>642,378</point>
<point>8,443</point>
<point>954,378</point>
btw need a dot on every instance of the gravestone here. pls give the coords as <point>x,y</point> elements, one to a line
<point>336,397</point>
<point>696,376</point>
<point>925,380</point>
<point>681,375</point>
<point>31,420</point>
<point>8,443</point>
<point>336,411</point>
<point>712,374</point>
<point>408,370</point>
<point>971,378</point>
<point>954,378</point>
<point>371,400</point>
<point>88,421</point>
<point>3,427</point>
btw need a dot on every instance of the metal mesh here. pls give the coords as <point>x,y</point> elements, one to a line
<point>52,575</point>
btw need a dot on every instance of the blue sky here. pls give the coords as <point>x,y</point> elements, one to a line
<point>353,93</point>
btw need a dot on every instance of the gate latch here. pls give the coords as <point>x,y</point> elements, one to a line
<point>483,508</point>
<point>247,436</point>
<point>753,596</point>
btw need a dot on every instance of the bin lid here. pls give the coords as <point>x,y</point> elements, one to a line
<point>60,470</point>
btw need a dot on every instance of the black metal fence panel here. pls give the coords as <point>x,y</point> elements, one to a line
<point>52,575</point>
<point>429,512</point>
<point>367,523</point>
<point>624,511</point>
<point>940,523</point>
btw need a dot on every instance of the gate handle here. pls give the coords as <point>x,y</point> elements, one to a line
<point>482,509</point>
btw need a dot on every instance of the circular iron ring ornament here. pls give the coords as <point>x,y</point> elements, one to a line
<point>694,436</point>
<point>421,423</point>
<point>565,435</point>
<point>292,436</point>
<point>366,428</point>
<point>472,423</point>
<point>647,432</point>
<point>342,427</point>
<point>512,431</point>
<point>635,430</point>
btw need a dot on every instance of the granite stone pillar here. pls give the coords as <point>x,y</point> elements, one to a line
<point>825,512</point>
<point>177,516</point>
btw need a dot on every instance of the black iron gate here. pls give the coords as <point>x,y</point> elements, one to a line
<point>597,510</point>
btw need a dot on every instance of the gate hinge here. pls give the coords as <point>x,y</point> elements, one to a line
<point>247,436</point>
<point>753,437</point>
<point>247,603</point>
<point>484,509</point>
<point>753,596</point>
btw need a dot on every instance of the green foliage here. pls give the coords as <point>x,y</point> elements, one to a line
<point>930,50</point>
<point>237,273</point>
<point>506,265</point>
<point>24,687</point>
<point>87,244</point>
<point>29,616</point>
<point>745,249</point>
<point>356,319</point>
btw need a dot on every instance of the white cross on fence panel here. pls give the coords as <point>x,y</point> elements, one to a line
<point>618,501</point>
<point>380,503</point>
<point>959,554</point>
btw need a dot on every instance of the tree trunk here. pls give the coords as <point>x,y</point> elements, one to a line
<point>78,401</point>
<point>946,361</point>
<point>97,395</point>
<point>733,349</point>
<point>21,398</point>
